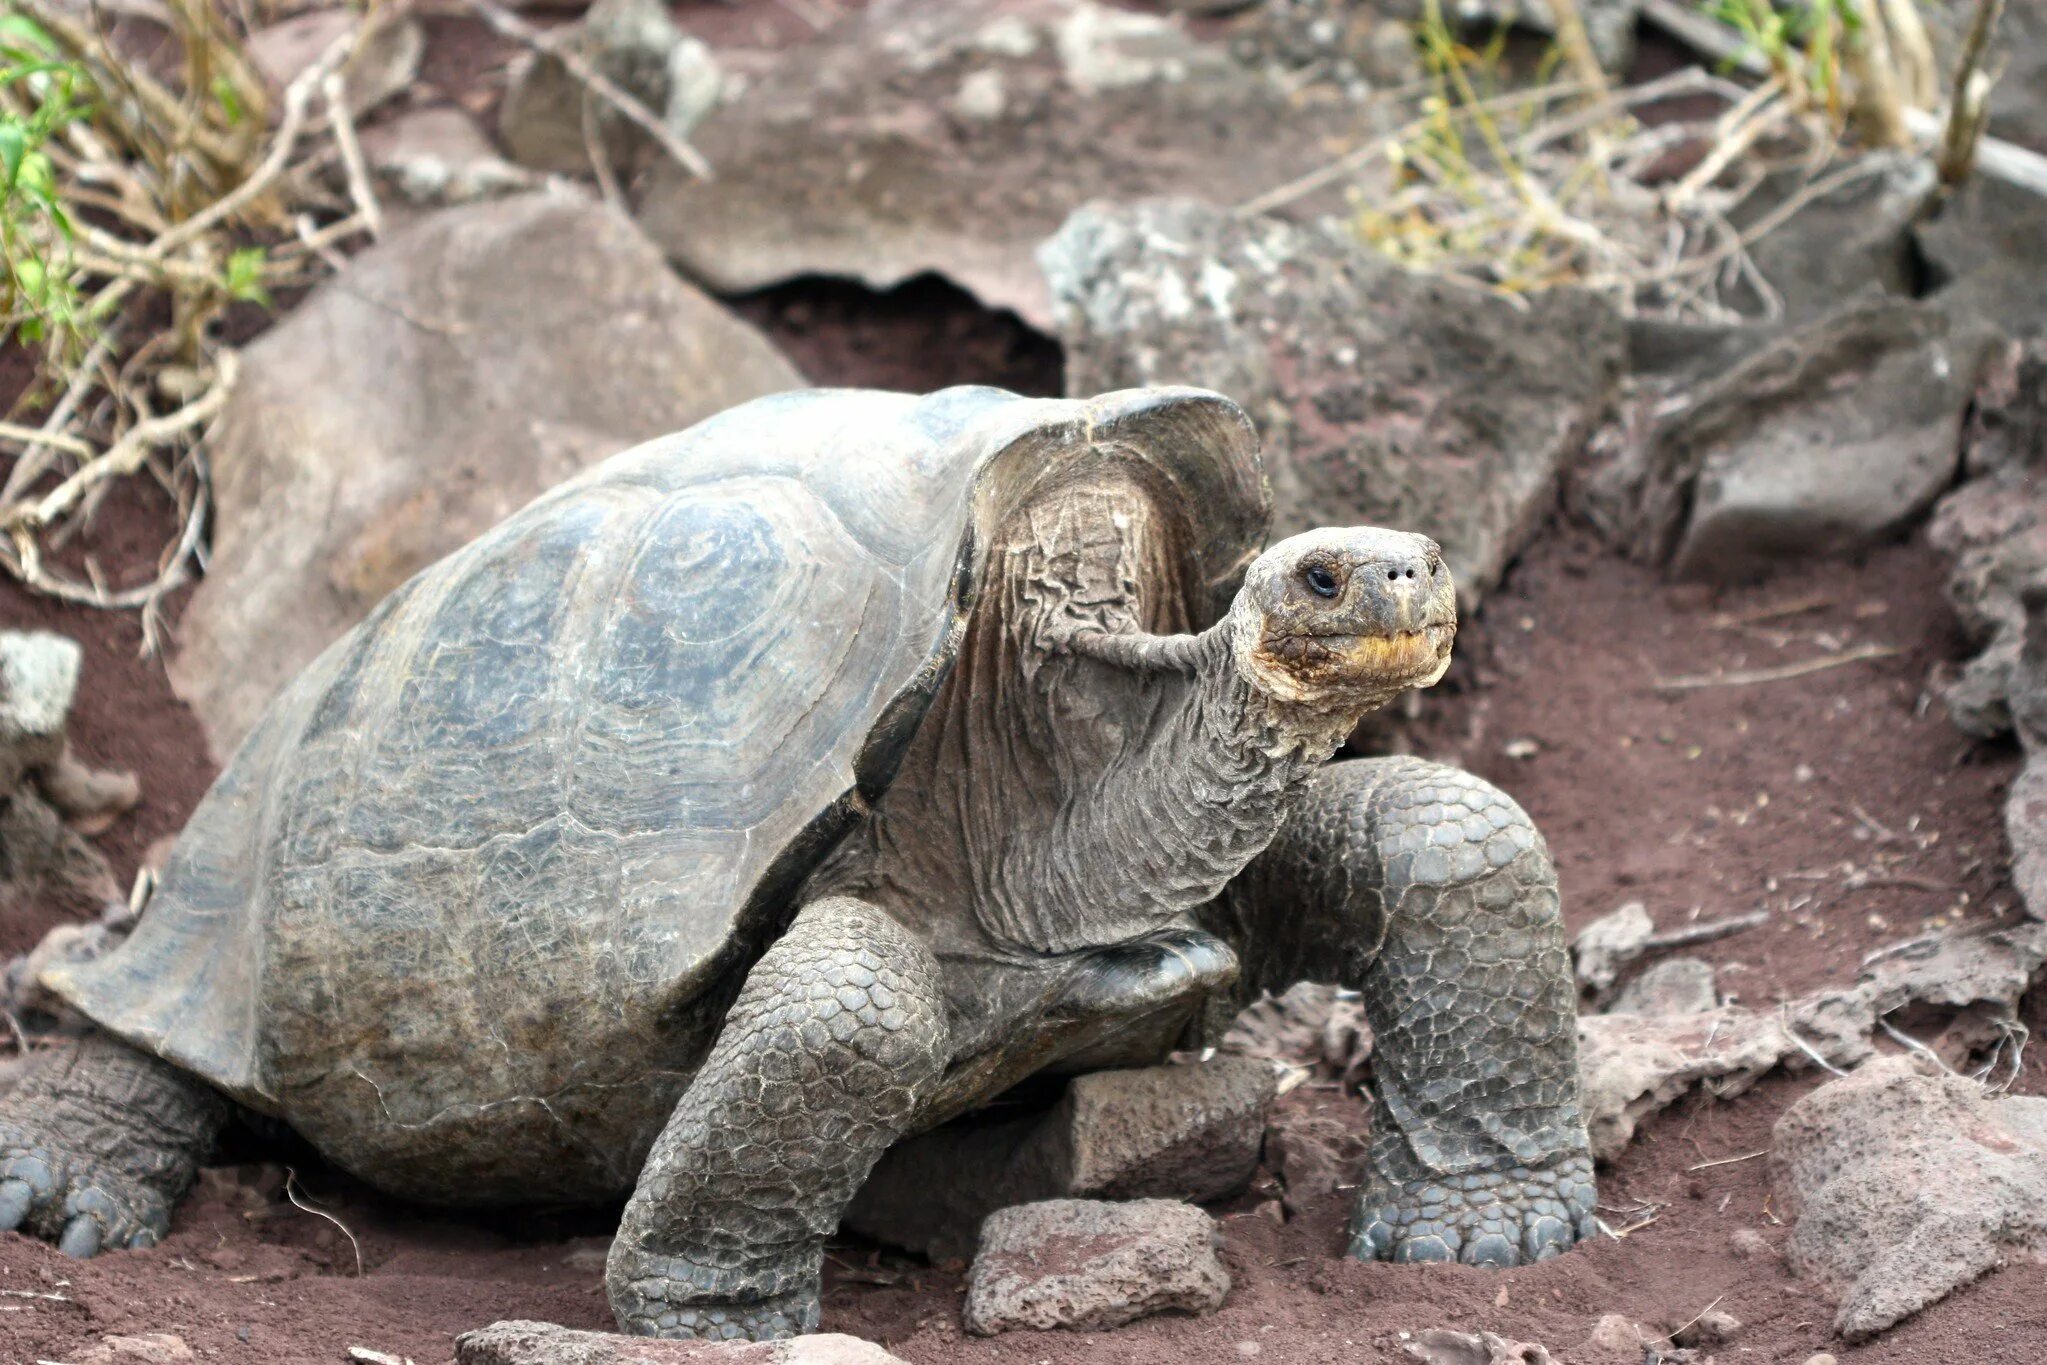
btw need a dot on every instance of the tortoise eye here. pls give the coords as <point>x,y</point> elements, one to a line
<point>1320,581</point>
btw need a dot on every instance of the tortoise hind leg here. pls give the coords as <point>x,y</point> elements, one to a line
<point>99,1142</point>
<point>1430,892</point>
<point>836,1039</point>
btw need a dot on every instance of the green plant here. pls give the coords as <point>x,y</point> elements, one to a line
<point>39,292</point>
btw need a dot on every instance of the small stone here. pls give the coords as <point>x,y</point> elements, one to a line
<point>1092,1265</point>
<point>1615,1332</point>
<point>1609,943</point>
<point>1750,1245</point>
<point>1520,748</point>
<point>152,1348</point>
<point>543,1343</point>
<point>1249,1348</point>
<point>1711,1328</point>
<point>1823,1358</point>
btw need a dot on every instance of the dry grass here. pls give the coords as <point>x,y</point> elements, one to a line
<point>139,206</point>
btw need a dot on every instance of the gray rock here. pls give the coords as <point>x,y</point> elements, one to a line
<point>1307,43</point>
<point>1189,1132</point>
<point>49,799</point>
<point>1441,1346</point>
<point>1853,241</point>
<point>915,138</point>
<point>1609,24</point>
<point>543,1343</point>
<point>1829,440</point>
<point>1314,1156</point>
<point>449,375</point>
<point>1987,251</point>
<point>639,48</point>
<point>1906,1186</point>
<point>38,679</point>
<point>1604,948</point>
<point>1631,1066</point>
<point>147,1348</point>
<point>383,66</point>
<point>1677,985</point>
<point>1085,1264</point>
<point>1384,396</point>
<point>433,158</point>
<point>1994,528</point>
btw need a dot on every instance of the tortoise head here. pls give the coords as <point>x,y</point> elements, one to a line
<point>1345,619</point>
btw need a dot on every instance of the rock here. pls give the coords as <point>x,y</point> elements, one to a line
<point>1609,24</point>
<point>1631,1066</point>
<point>1438,1346</point>
<point>1677,985</point>
<point>1311,1025</point>
<point>1906,1186</point>
<point>1606,946</point>
<point>1710,1328</point>
<point>1994,528</point>
<point>1091,1265</point>
<point>450,374</point>
<point>151,1348</point>
<point>384,64</point>
<point>1986,254</point>
<point>1383,396</point>
<point>432,158</point>
<point>1614,1332</point>
<point>49,798</point>
<point>1856,240</point>
<point>1827,441</point>
<point>1750,1245</point>
<point>543,1343</point>
<point>640,49</point>
<point>1356,48</point>
<point>1823,1358</point>
<point>914,138</point>
<point>1314,1156</point>
<point>1189,1132</point>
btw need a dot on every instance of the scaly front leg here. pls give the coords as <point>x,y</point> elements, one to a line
<point>1431,892</point>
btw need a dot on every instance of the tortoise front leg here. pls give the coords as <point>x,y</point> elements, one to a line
<point>833,1045</point>
<point>1431,893</point>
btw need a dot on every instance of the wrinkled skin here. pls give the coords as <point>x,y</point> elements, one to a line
<point>962,938</point>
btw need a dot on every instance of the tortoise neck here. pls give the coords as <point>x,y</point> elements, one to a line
<point>1172,818</point>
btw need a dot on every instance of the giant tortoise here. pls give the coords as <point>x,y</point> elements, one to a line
<point>780,788</point>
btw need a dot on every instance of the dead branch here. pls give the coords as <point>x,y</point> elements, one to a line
<point>1747,677</point>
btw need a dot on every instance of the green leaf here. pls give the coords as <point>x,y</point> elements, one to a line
<point>13,150</point>
<point>25,30</point>
<point>244,276</point>
<point>229,99</point>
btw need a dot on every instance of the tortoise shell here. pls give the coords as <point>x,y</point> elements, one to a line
<point>467,906</point>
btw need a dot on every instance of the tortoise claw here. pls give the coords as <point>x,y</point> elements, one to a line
<point>16,1197</point>
<point>1498,1218</point>
<point>81,1239</point>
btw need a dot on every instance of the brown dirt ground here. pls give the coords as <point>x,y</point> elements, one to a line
<point>1709,800</point>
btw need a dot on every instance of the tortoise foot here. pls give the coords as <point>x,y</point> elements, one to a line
<point>1509,1217</point>
<point>668,1296</point>
<point>67,1197</point>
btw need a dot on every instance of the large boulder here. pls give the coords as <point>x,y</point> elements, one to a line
<point>914,138</point>
<point>1907,1184</point>
<point>1383,395</point>
<point>445,378</point>
<point>1830,439</point>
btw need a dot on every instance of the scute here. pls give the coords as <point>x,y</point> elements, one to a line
<point>468,905</point>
